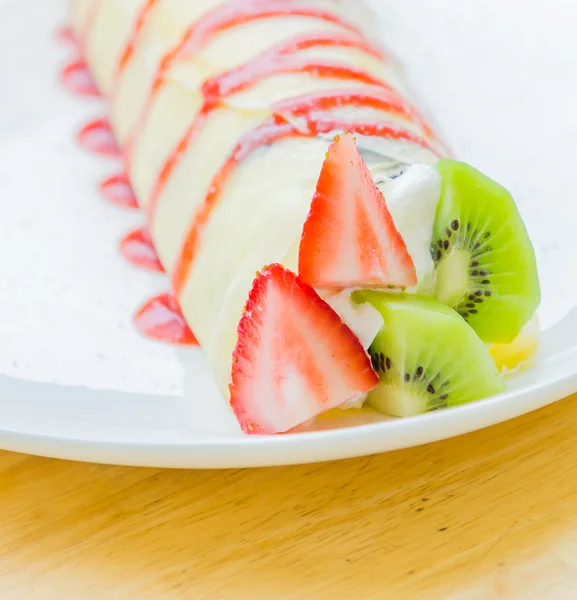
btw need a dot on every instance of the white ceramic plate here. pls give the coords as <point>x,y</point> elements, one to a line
<point>76,381</point>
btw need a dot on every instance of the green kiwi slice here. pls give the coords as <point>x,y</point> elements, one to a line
<point>426,356</point>
<point>485,263</point>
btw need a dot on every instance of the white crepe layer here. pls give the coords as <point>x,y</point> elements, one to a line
<point>259,217</point>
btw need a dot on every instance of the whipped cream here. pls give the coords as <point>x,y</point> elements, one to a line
<point>412,199</point>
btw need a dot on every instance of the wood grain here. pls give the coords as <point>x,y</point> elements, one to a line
<point>492,514</point>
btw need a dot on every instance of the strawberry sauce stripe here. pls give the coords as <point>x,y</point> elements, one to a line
<point>130,45</point>
<point>216,21</point>
<point>273,61</point>
<point>273,130</point>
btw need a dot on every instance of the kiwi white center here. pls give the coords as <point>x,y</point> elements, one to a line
<point>452,277</point>
<point>398,402</point>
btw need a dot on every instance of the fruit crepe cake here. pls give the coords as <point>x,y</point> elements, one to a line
<point>321,245</point>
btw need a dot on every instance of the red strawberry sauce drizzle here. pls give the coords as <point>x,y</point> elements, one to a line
<point>130,46</point>
<point>117,190</point>
<point>280,59</point>
<point>160,317</point>
<point>64,33</point>
<point>293,108</point>
<point>276,60</point>
<point>98,137</point>
<point>137,248</point>
<point>224,17</point>
<point>76,78</point>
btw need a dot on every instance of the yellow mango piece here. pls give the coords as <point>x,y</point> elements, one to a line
<point>518,354</point>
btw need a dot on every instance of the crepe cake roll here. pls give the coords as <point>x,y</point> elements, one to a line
<point>225,112</point>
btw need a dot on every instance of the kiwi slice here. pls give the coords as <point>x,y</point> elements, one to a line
<point>485,263</point>
<point>426,355</point>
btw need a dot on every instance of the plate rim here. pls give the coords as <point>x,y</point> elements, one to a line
<point>301,447</point>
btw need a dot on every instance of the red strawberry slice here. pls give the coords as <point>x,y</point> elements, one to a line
<point>349,238</point>
<point>294,357</point>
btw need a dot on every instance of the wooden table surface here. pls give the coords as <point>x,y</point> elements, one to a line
<point>488,515</point>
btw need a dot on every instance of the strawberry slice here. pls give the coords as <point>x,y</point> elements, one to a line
<point>294,357</point>
<point>349,238</point>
